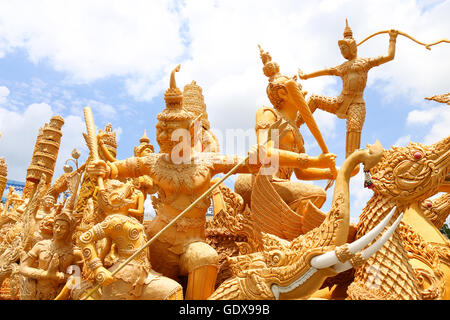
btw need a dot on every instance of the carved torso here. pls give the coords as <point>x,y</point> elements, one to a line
<point>354,76</point>
<point>292,140</point>
<point>43,252</point>
<point>126,232</point>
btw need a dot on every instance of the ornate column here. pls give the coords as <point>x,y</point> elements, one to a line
<point>45,154</point>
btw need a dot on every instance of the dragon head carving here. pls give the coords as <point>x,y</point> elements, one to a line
<point>414,172</point>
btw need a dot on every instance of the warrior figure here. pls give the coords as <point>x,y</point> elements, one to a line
<point>350,103</point>
<point>182,175</point>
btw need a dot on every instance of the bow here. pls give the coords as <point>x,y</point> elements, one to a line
<point>426,45</point>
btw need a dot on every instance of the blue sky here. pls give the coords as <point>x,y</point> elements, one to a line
<point>56,58</point>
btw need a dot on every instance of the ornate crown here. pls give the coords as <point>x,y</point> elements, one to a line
<point>348,33</point>
<point>144,143</point>
<point>194,102</point>
<point>108,136</point>
<point>348,36</point>
<point>271,69</point>
<point>174,100</point>
<point>65,216</point>
<point>276,79</point>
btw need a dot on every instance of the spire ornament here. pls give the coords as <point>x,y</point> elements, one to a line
<point>174,102</point>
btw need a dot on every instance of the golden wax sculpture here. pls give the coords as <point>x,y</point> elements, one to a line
<point>107,146</point>
<point>414,262</point>
<point>137,280</point>
<point>44,267</point>
<point>442,98</point>
<point>296,269</point>
<point>46,151</point>
<point>267,240</point>
<point>145,183</point>
<point>181,250</point>
<point>3,175</point>
<point>350,103</point>
<point>287,99</point>
<point>193,102</point>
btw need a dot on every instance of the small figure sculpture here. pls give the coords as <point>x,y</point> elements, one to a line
<point>107,149</point>
<point>48,260</point>
<point>145,183</point>
<point>136,280</point>
<point>46,210</point>
<point>350,103</point>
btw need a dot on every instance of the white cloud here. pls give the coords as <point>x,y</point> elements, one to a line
<point>358,196</point>
<point>149,211</point>
<point>4,93</point>
<point>93,40</point>
<point>142,41</point>
<point>19,132</point>
<point>105,110</point>
<point>437,119</point>
<point>402,141</point>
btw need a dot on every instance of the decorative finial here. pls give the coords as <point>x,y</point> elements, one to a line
<point>173,96</point>
<point>348,33</point>
<point>174,102</point>
<point>270,69</point>
<point>144,138</point>
<point>265,56</point>
<point>144,144</point>
<point>173,83</point>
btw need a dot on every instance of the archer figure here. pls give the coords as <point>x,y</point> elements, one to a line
<point>350,103</point>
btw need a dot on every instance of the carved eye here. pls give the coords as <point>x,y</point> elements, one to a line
<point>418,155</point>
<point>276,257</point>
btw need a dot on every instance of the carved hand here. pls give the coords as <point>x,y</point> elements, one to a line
<point>326,160</point>
<point>103,276</point>
<point>98,168</point>
<point>301,75</point>
<point>52,271</point>
<point>257,155</point>
<point>393,34</point>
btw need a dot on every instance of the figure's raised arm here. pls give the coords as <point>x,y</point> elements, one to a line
<point>391,50</point>
<point>323,72</point>
<point>90,253</point>
<point>129,168</point>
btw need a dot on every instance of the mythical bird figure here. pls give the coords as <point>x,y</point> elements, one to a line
<point>296,269</point>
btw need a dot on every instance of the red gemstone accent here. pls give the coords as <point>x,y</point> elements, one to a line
<point>417,155</point>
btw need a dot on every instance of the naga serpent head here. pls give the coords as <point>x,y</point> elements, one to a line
<point>414,172</point>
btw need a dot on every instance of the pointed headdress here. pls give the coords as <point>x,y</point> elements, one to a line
<point>174,102</point>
